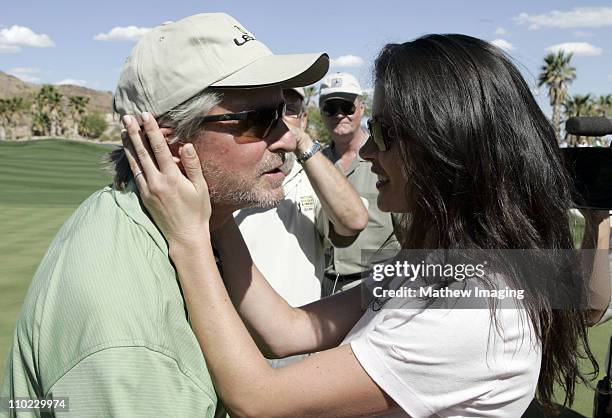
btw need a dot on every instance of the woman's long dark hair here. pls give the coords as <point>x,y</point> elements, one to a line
<point>485,172</point>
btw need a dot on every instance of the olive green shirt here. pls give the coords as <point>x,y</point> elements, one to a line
<point>377,234</point>
<point>104,322</point>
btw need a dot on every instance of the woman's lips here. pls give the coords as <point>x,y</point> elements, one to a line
<point>381,182</point>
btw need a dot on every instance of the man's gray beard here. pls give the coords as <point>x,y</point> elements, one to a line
<point>232,191</point>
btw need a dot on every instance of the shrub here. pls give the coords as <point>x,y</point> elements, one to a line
<point>92,125</point>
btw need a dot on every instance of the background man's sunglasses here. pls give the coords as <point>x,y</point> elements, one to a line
<point>294,110</point>
<point>256,123</point>
<point>379,132</point>
<point>332,107</point>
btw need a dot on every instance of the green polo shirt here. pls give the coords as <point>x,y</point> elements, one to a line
<point>377,234</point>
<point>104,323</point>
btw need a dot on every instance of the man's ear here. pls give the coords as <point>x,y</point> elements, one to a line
<point>169,135</point>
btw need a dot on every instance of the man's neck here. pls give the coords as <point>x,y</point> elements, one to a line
<point>220,215</point>
<point>348,143</point>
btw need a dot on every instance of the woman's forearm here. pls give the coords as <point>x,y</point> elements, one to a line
<point>268,317</point>
<point>279,329</point>
<point>221,334</point>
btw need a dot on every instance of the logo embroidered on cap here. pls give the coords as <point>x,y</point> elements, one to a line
<point>245,37</point>
<point>336,82</point>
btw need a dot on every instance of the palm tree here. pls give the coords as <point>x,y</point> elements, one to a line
<point>13,111</point>
<point>78,106</point>
<point>49,108</point>
<point>3,119</point>
<point>578,105</point>
<point>604,105</point>
<point>310,92</point>
<point>557,74</point>
<point>40,124</point>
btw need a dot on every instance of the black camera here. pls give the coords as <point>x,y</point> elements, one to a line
<point>591,169</point>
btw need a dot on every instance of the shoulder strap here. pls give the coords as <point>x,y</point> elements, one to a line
<point>610,358</point>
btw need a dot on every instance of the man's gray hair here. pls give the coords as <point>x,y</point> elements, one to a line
<point>184,119</point>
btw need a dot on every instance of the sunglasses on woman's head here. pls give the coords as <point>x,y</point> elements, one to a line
<point>379,132</point>
<point>256,123</point>
<point>332,107</point>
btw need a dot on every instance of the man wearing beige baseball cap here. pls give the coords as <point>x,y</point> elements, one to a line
<point>104,322</point>
<point>342,108</point>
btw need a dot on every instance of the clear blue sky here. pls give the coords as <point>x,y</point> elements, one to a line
<point>54,41</point>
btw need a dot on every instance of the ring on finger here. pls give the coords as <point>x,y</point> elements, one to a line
<point>137,174</point>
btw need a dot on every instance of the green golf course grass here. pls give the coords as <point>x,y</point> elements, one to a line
<point>42,182</point>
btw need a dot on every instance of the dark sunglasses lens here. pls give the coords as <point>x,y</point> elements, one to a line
<point>259,124</point>
<point>293,110</point>
<point>376,133</point>
<point>347,108</point>
<point>331,108</point>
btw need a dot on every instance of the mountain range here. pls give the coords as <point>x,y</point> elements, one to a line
<point>99,101</point>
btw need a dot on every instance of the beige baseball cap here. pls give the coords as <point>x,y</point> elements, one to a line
<point>339,86</point>
<point>177,60</point>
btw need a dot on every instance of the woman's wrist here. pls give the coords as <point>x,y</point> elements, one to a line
<point>189,246</point>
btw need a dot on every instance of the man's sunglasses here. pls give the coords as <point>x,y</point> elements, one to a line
<point>332,107</point>
<point>294,109</point>
<point>379,132</point>
<point>253,123</point>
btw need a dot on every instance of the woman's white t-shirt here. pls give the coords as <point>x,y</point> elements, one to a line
<point>449,362</point>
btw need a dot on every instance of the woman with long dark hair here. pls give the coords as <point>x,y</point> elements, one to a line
<point>462,149</point>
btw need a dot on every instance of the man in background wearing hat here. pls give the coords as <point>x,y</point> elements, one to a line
<point>287,242</point>
<point>342,108</point>
<point>104,322</point>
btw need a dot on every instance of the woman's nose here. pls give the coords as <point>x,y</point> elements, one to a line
<point>369,150</point>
